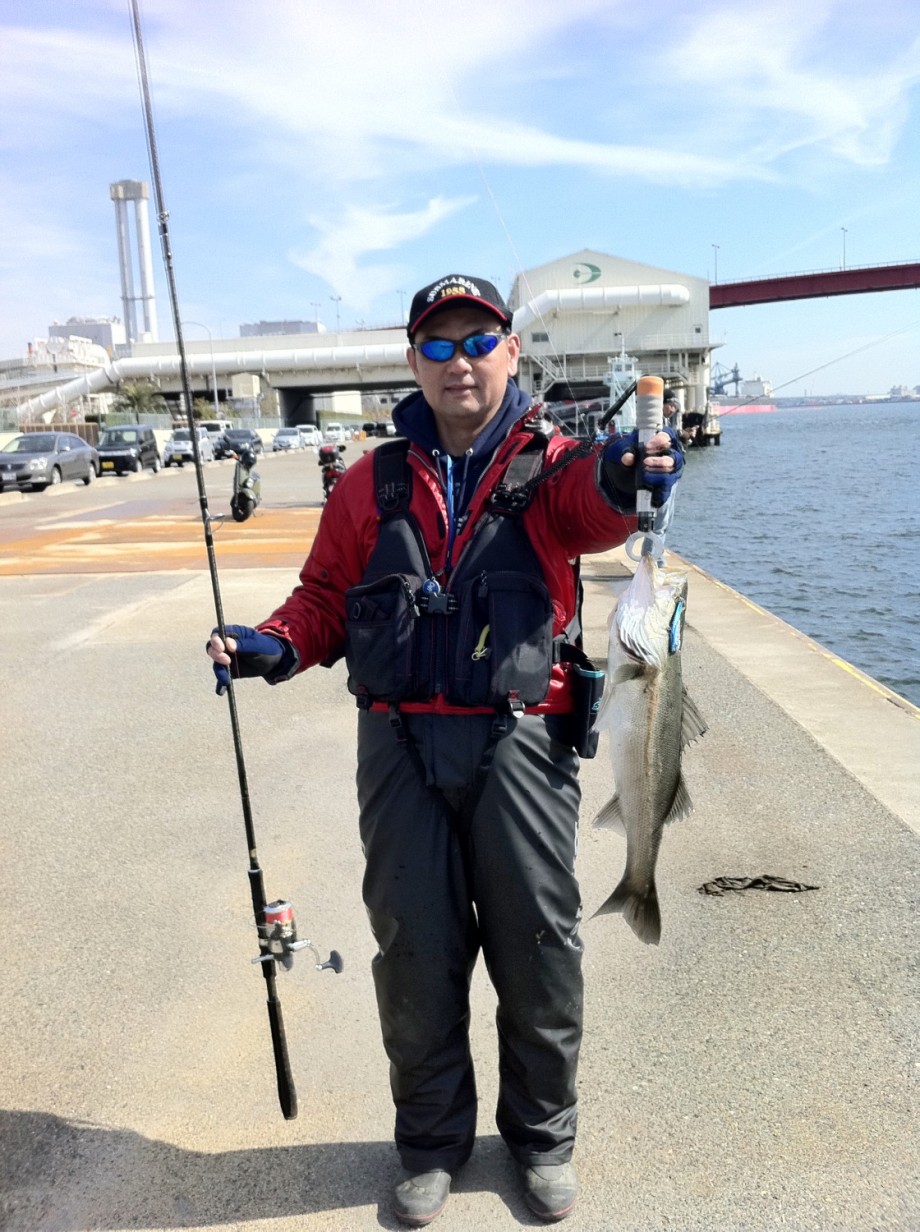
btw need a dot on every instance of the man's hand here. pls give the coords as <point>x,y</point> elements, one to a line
<point>664,461</point>
<point>246,652</point>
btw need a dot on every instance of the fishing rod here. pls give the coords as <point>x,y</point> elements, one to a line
<point>275,924</point>
<point>618,405</point>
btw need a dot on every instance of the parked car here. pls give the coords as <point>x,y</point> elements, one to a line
<point>333,433</point>
<point>128,448</point>
<point>179,447</point>
<point>287,438</point>
<point>310,435</point>
<point>240,438</point>
<point>39,460</point>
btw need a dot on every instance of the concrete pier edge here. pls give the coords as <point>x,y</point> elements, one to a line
<point>871,731</point>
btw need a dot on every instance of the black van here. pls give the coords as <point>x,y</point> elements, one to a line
<point>130,447</point>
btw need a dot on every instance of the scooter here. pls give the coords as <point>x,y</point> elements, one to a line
<point>247,486</point>
<point>333,467</point>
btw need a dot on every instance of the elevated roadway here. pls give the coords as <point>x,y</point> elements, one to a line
<point>756,1071</point>
<point>819,284</point>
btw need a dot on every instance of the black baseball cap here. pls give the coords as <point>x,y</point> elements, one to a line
<point>452,290</point>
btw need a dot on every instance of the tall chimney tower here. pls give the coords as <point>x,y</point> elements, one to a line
<point>138,192</point>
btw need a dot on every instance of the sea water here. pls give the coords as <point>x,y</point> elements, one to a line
<point>814,513</point>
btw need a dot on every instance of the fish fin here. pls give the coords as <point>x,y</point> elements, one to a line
<point>640,911</point>
<point>611,817</point>
<point>624,673</point>
<point>681,805</point>
<point>692,723</point>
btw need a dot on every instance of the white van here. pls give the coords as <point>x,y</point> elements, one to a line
<point>333,433</point>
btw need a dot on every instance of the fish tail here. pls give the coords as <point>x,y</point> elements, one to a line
<point>639,909</point>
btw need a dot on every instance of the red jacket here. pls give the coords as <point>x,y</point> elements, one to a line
<point>568,517</point>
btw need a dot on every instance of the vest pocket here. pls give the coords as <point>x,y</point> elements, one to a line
<point>381,619</point>
<point>501,641</point>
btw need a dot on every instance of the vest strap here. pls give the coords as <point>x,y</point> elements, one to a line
<point>392,477</point>
<point>514,493</point>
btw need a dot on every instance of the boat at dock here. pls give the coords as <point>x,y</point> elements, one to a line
<point>721,408</point>
<point>753,397</point>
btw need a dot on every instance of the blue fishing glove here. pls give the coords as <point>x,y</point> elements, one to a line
<point>256,654</point>
<point>619,481</point>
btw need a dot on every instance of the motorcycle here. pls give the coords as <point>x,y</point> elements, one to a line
<point>247,486</point>
<point>333,467</point>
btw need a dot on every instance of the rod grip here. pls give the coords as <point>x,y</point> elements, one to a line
<point>287,1093</point>
<point>649,418</point>
<point>649,406</point>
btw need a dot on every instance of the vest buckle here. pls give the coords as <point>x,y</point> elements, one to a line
<point>444,603</point>
<point>393,496</point>
<point>509,500</point>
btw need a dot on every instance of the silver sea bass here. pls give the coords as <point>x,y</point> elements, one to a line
<point>650,720</point>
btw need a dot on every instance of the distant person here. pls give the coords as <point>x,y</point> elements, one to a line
<point>444,571</point>
<point>673,415</point>
<point>672,410</point>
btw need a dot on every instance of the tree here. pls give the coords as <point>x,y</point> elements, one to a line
<point>140,399</point>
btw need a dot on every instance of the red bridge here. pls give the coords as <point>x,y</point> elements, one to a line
<point>815,285</point>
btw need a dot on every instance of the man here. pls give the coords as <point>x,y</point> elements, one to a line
<point>664,515</point>
<point>442,569</point>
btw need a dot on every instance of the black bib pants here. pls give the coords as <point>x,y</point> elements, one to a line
<point>497,874</point>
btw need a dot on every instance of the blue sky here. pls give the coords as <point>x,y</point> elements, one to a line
<point>361,148</point>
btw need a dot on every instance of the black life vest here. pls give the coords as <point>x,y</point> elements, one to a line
<point>486,637</point>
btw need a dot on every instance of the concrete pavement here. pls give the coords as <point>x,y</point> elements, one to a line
<point>756,1071</point>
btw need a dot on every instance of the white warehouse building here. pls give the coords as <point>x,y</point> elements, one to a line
<point>578,313</point>
<point>577,317</point>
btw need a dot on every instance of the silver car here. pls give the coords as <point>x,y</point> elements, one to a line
<point>180,449</point>
<point>287,438</point>
<point>39,460</point>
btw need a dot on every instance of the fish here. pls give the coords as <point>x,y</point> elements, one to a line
<point>650,720</point>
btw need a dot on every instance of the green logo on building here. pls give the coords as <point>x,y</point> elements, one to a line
<point>586,273</point>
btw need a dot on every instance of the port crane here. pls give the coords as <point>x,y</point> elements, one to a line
<point>722,377</point>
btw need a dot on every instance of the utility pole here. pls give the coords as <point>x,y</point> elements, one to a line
<point>715,256</point>
<point>214,397</point>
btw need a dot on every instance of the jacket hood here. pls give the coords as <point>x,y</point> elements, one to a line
<point>414,418</point>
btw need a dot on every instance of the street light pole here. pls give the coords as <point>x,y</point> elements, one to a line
<point>214,397</point>
<point>336,299</point>
<point>844,230</point>
<point>715,256</point>
<point>402,307</point>
<point>315,306</point>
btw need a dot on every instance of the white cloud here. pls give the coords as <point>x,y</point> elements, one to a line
<point>336,95</point>
<point>784,77</point>
<point>347,238</point>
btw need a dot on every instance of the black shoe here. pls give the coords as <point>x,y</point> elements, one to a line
<point>550,1190</point>
<point>419,1199</point>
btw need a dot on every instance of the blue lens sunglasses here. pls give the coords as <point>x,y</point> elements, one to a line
<point>440,350</point>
